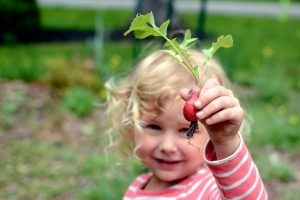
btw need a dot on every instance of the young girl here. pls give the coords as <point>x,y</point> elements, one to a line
<point>147,118</point>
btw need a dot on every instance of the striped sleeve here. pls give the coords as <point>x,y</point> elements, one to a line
<point>236,176</point>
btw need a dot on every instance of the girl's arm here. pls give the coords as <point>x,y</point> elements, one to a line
<point>236,175</point>
<point>226,154</point>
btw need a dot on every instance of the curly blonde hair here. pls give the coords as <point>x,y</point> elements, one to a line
<point>156,78</point>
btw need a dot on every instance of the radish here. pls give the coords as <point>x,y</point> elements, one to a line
<point>189,111</point>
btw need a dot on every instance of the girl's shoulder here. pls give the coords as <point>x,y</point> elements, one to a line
<point>141,180</point>
<point>137,185</point>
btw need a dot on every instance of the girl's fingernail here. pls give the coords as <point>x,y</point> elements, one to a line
<point>197,104</point>
<point>208,121</point>
<point>200,114</point>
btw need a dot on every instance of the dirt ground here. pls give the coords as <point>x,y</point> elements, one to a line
<point>30,111</point>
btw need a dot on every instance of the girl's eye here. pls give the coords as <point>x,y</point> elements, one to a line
<point>153,127</point>
<point>183,130</point>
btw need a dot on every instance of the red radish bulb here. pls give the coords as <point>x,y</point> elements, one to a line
<point>189,110</point>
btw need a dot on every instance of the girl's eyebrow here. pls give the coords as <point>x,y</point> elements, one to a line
<point>153,120</point>
<point>150,119</point>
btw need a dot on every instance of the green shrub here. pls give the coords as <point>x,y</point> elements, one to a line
<point>79,100</point>
<point>68,74</point>
<point>273,167</point>
<point>106,172</point>
<point>9,106</point>
<point>274,88</point>
<point>26,72</point>
<point>19,20</point>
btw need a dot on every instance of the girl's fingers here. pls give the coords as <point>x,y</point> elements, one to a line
<point>184,93</point>
<point>233,115</point>
<point>218,104</point>
<point>210,95</point>
<point>209,84</point>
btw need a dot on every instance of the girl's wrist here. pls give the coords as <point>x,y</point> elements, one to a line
<point>226,147</point>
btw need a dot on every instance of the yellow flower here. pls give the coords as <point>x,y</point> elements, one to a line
<point>282,110</point>
<point>293,120</point>
<point>103,94</point>
<point>115,61</point>
<point>267,52</point>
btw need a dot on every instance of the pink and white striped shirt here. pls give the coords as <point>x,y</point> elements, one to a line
<point>235,177</point>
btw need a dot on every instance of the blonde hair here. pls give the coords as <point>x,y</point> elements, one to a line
<point>156,78</point>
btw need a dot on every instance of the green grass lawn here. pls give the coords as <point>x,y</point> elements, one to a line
<point>83,19</point>
<point>43,157</point>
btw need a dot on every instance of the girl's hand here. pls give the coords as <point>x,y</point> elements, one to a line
<point>221,114</point>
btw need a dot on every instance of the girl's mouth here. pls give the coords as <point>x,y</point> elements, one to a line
<point>168,164</point>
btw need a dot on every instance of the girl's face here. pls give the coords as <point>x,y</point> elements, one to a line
<point>163,147</point>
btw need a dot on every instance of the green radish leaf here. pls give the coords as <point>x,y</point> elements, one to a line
<point>196,72</point>
<point>144,26</point>
<point>172,43</point>
<point>164,28</point>
<point>174,46</point>
<point>188,41</point>
<point>174,55</point>
<point>222,41</point>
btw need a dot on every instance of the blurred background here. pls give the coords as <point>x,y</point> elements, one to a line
<point>56,55</point>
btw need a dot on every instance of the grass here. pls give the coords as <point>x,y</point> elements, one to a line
<point>83,19</point>
<point>31,61</point>
<point>62,161</point>
<point>41,169</point>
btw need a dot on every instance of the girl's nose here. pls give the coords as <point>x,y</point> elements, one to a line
<point>168,143</point>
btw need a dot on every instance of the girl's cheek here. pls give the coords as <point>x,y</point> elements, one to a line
<point>201,139</point>
<point>144,140</point>
<point>138,136</point>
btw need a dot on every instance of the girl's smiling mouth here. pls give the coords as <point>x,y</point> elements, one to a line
<point>168,164</point>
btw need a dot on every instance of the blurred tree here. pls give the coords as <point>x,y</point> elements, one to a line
<point>20,20</point>
<point>201,20</point>
<point>162,10</point>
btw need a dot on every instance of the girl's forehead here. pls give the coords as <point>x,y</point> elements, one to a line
<point>172,100</point>
<point>168,107</point>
